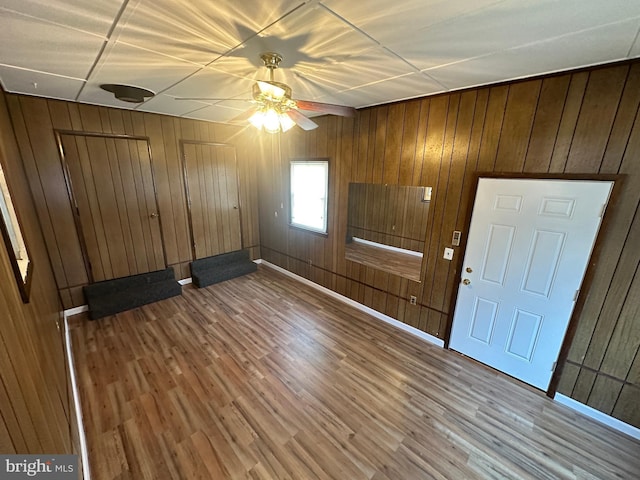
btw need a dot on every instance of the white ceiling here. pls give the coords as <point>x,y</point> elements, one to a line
<point>356,53</point>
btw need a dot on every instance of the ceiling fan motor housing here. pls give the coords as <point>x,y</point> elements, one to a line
<point>271,59</point>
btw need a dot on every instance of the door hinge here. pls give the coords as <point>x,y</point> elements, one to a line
<point>553,367</point>
<point>575,296</point>
<point>602,209</point>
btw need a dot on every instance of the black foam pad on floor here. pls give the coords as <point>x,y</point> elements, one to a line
<point>113,296</point>
<point>210,270</point>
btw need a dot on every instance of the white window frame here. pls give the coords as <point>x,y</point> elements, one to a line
<point>294,203</point>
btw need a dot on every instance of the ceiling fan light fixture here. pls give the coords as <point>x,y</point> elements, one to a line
<point>271,120</point>
<point>286,123</point>
<point>257,119</point>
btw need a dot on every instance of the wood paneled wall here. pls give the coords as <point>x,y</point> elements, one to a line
<point>36,414</point>
<point>35,121</point>
<point>580,122</point>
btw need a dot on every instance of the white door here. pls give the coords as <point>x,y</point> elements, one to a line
<point>528,248</point>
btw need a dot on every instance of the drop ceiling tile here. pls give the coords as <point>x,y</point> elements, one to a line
<point>506,25</point>
<point>635,49</point>
<point>168,105</point>
<point>215,114</point>
<point>22,81</point>
<point>95,16</point>
<point>388,90</point>
<point>591,47</point>
<point>31,43</point>
<point>197,31</point>
<point>383,20</point>
<point>133,66</point>
<point>307,39</point>
<point>212,83</point>
<point>368,68</point>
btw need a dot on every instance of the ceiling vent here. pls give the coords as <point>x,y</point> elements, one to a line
<point>127,93</point>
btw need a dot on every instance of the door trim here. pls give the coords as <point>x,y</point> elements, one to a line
<point>72,198</point>
<point>572,327</point>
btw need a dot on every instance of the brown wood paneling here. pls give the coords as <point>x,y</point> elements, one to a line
<point>580,122</point>
<point>113,189</point>
<point>516,126</point>
<point>35,121</point>
<point>627,407</point>
<point>42,164</point>
<point>604,393</point>
<point>546,122</point>
<point>619,263</point>
<point>34,399</point>
<point>624,121</point>
<point>597,113</point>
<point>570,115</point>
<point>211,179</point>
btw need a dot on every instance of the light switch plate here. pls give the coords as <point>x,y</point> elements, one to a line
<point>448,254</point>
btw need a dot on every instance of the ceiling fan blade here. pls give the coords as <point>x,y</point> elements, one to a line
<point>340,110</point>
<point>302,121</point>
<point>270,90</point>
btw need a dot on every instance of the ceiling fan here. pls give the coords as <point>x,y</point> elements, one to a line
<point>275,110</point>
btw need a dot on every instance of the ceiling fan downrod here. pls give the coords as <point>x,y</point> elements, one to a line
<point>271,61</point>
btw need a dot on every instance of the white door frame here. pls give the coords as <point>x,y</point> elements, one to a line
<point>591,267</point>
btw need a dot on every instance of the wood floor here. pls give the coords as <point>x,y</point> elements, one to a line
<point>261,377</point>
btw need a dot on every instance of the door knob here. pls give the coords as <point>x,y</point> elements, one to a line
<point>466,281</point>
<point>235,207</point>
<point>469,269</point>
<point>154,215</point>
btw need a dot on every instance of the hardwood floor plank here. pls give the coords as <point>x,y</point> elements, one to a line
<point>262,377</point>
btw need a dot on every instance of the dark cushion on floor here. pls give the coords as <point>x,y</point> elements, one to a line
<point>113,296</point>
<point>210,270</point>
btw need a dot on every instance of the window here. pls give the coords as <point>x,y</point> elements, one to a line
<point>12,235</point>
<point>309,183</point>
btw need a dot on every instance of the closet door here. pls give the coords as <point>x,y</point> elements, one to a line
<point>110,180</point>
<point>211,179</point>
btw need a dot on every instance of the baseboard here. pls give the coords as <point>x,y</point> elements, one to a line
<point>75,311</point>
<point>359,306</point>
<point>598,416</point>
<point>185,281</point>
<point>84,451</point>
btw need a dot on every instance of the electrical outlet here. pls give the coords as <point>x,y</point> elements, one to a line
<point>413,300</point>
<point>448,254</point>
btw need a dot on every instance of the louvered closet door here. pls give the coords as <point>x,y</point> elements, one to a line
<point>528,248</point>
<point>212,196</point>
<point>111,181</point>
